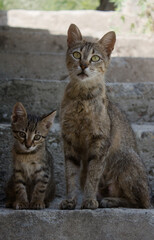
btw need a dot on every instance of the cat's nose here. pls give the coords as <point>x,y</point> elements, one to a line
<point>83,66</point>
<point>28,145</point>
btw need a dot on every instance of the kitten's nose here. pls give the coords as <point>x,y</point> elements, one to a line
<point>83,66</point>
<point>28,145</point>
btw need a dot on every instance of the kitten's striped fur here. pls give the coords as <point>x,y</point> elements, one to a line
<point>32,183</point>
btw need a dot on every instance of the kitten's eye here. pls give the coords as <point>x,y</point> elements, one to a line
<point>77,55</point>
<point>95,58</point>
<point>37,137</point>
<point>22,134</point>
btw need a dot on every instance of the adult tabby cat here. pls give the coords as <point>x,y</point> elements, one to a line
<point>32,183</point>
<point>99,143</point>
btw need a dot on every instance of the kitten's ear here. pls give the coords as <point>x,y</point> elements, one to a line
<point>108,41</point>
<point>19,112</point>
<point>47,121</point>
<point>74,35</point>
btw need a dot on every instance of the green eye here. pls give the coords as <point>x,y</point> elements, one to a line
<point>37,137</point>
<point>95,58</point>
<point>22,134</point>
<point>77,55</point>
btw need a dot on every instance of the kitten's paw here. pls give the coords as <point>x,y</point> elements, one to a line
<point>68,204</point>
<point>89,204</point>
<point>20,205</point>
<point>37,205</point>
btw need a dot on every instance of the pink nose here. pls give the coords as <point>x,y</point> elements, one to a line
<point>83,66</point>
<point>28,145</point>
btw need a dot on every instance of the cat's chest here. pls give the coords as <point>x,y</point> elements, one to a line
<point>28,164</point>
<point>82,118</point>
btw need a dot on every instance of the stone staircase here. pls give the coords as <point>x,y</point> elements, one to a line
<point>32,70</point>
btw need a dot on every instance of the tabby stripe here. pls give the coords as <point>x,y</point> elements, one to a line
<point>18,171</point>
<point>38,171</point>
<point>46,176</point>
<point>20,181</point>
<point>42,181</point>
<point>92,157</point>
<point>73,160</point>
<point>33,163</point>
<point>41,191</point>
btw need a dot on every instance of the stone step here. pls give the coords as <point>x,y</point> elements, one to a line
<point>135,99</point>
<point>125,24</point>
<point>144,135</point>
<point>51,65</point>
<point>42,40</point>
<point>101,224</point>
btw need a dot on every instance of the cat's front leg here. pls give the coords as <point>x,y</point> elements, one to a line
<point>94,172</point>
<point>72,174</point>
<point>41,181</point>
<point>21,201</point>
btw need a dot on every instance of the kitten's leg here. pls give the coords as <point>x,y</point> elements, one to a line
<point>21,201</point>
<point>41,179</point>
<point>71,173</point>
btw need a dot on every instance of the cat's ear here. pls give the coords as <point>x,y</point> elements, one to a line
<point>19,112</point>
<point>108,41</point>
<point>74,35</point>
<point>48,120</point>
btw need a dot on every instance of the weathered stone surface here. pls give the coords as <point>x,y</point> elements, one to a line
<point>43,40</point>
<point>145,141</point>
<point>144,134</point>
<point>40,65</point>
<point>31,40</point>
<point>42,96</point>
<point>104,224</point>
<point>135,99</point>
<point>59,21</point>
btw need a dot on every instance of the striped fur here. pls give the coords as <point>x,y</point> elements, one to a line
<point>32,183</point>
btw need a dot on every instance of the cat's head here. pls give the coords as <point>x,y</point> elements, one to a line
<point>29,131</point>
<point>87,60</point>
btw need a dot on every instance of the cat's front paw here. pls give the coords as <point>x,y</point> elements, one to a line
<point>89,204</point>
<point>20,205</point>
<point>68,204</point>
<point>37,205</point>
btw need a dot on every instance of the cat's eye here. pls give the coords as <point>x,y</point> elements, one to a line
<point>95,58</point>
<point>77,55</point>
<point>37,137</point>
<point>22,134</point>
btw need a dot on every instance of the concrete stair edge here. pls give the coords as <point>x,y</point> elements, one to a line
<point>101,224</point>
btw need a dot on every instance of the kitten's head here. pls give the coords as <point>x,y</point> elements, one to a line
<point>29,131</point>
<point>87,60</point>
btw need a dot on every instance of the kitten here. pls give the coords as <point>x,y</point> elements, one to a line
<point>32,183</point>
<point>99,143</point>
